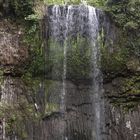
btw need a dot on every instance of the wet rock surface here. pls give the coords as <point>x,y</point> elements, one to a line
<point>123,124</point>
<point>119,123</point>
<point>77,121</point>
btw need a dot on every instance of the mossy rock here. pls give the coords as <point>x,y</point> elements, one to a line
<point>125,92</point>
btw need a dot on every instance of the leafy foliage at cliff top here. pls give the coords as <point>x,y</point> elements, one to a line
<point>16,8</point>
<point>126,13</point>
<point>91,2</point>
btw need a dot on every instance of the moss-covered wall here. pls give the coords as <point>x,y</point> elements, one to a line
<point>121,55</point>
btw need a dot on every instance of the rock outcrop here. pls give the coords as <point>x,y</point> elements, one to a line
<point>13,52</point>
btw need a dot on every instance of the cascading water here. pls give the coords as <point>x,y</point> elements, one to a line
<point>68,19</point>
<point>57,32</point>
<point>97,79</point>
<point>68,27</point>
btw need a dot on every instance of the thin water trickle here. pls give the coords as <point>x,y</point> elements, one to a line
<point>68,18</point>
<point>97,86</point>
<point>56,31</point>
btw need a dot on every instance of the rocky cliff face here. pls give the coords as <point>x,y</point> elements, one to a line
<point>13,52</point>
<point>121,82</point>
<point>120,67</point>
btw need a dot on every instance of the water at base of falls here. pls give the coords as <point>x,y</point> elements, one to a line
<point>69,27</point>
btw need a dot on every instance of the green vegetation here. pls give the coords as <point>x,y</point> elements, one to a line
<point>116,53</point>
<point>97,3</point>
<point>126,14</point>
<point>54,68</point>
<point>113,53</point>
<point>17,8</point>
<point>32,38</point>
<point>121,55</point>
<point>79,59</point>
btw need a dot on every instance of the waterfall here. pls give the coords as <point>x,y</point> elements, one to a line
<point>70,26</point>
